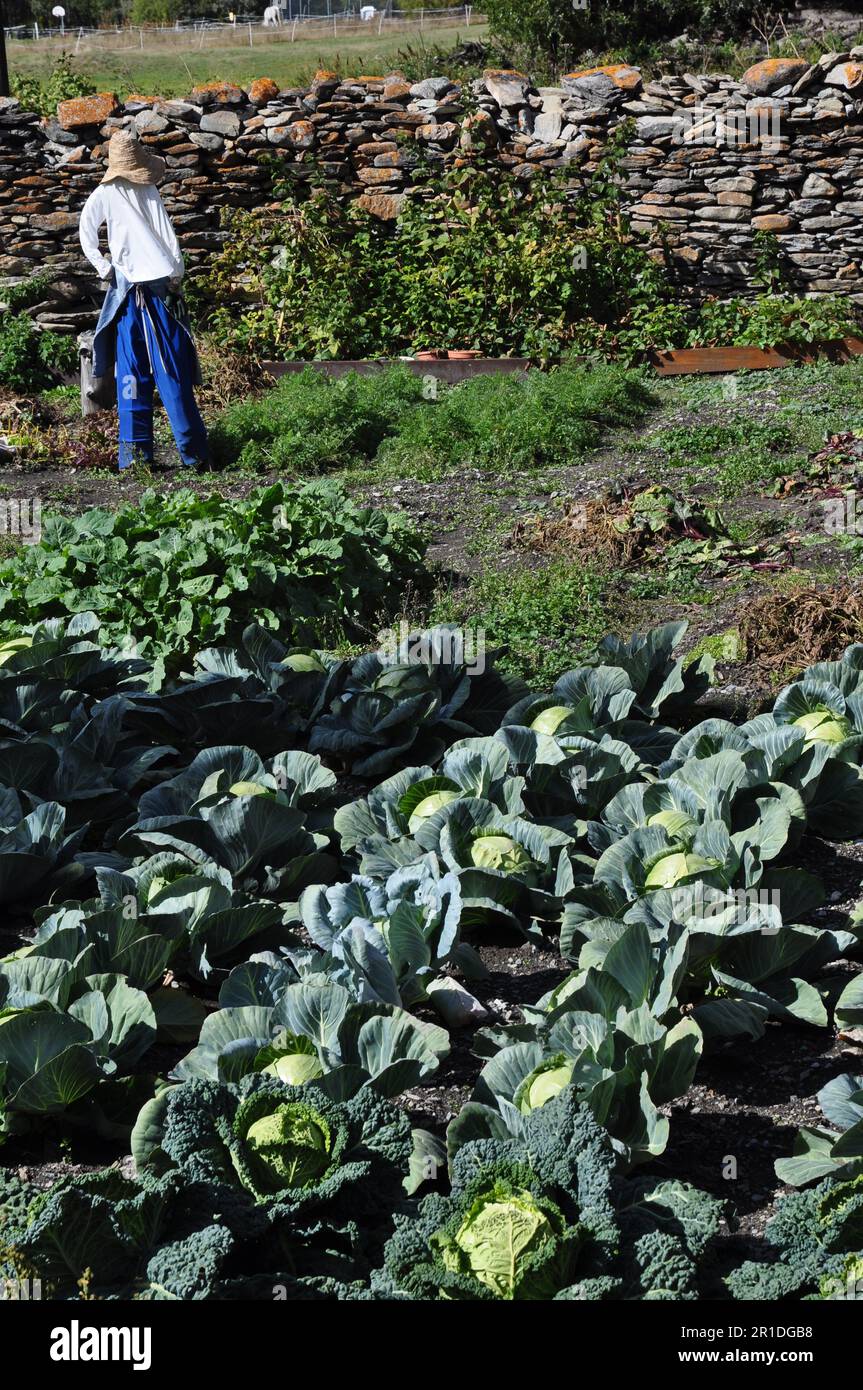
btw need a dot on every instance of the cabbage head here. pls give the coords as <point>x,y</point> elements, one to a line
<point>676,866</point>
<point>544,1083</point>
<point>507,1241</point>
<point>551,719</point>
<point>674,823</point>
<point>428,806</point>
<point>502,853</point>
<point>287,1144</point>
<point>13,645</point>
<point>824,726</point>
<point>293,1060</point>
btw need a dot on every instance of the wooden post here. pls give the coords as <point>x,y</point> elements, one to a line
<point>4,66</point>
<point>96,394</point>
<point>251,45</point>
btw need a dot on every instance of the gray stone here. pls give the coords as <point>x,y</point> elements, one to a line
<point>718,214</point>
<point>432,87</point>
<point>150,123</point>
<point>55,132</point>
<point>595,91</point>
<point>658,127</point>
<point>226,123</point>
<point>207,140</point>
<point>179,111</point>
<point>809,207</point>
<point>816,186</point>
<point>826,224</point>
<point>548,126</point>
<point>508,88</point>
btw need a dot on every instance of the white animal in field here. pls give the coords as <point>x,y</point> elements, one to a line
<point>272,15</point>
<point>367,12</point>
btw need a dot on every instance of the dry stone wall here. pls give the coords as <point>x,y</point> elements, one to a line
<point>711,161</point>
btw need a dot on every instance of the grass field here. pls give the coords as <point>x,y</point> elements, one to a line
<point>171,63</point>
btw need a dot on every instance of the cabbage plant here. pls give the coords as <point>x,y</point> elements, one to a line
<point>62,1031</point>
<point>316,1031</point>
<point>542,1215</point>
<point>259,821</point>
<point>413,703</point>
<point>37,856</point>
<point>399,806</point>
<point>821,1152</point>
<point>390,940</point>
<point>615,1035</point>
<point>163,911</point>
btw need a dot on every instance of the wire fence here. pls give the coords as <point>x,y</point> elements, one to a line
<point>295,19</point>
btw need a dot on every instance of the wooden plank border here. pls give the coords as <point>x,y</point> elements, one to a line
<point>449,370</point>
<point>679,362</point>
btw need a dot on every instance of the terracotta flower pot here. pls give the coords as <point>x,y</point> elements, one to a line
<point>464,355</point>
<point>430,355</point>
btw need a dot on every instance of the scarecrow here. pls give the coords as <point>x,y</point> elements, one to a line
<point>143,336</point>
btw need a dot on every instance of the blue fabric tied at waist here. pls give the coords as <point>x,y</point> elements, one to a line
<point>105,340</point>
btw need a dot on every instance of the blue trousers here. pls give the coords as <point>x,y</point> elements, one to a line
<point>155,352</point>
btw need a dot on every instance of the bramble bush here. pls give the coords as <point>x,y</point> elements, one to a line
<point>477,262</point>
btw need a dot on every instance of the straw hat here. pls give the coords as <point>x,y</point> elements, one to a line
<point>129,159</point>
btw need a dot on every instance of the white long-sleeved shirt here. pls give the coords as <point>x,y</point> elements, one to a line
<point>141,239</point>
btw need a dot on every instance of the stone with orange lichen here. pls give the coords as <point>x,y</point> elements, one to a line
<point>508,86</point>
<point>847,75</point>
<point>80,112</point>
<point>218,94</point>
<point>764,77</point>
<point>380,175</point>
<point>385,206</point>
<point>262,90</point>
<point>627,78</point>
<point>396,89</point>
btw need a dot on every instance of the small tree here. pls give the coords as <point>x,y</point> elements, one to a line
<point>156,11</point>
<point>558,32</point>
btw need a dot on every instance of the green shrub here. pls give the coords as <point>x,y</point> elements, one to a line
<point>309,422</point>
<point>507,423</point>
<point>62,84</point>
<point>771,320</point>
<point>558,32</point>
<point>31,359</point>
<point>478,261</point>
